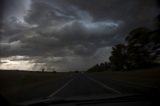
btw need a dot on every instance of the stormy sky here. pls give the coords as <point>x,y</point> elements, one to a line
<point>65,35</point>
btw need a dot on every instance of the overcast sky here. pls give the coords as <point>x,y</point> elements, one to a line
<point>66,35</point>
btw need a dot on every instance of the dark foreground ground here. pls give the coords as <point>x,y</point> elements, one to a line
<point>19,87</point>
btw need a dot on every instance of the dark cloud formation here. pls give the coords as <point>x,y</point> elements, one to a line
<point>70,34</point>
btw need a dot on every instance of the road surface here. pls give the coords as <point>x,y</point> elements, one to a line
<point>82,86</point>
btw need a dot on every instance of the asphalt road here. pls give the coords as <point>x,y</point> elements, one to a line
<point>81,86</point>
<point>84,86</point>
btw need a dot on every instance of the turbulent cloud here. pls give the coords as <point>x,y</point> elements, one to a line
<point>72,34</point>
<point>16,8</point>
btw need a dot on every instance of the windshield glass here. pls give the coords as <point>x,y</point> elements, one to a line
<point>78,49</point>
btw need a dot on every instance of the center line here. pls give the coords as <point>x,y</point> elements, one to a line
<point>58,90</point>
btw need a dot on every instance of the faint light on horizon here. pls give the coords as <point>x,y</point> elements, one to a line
<point>16,65</point>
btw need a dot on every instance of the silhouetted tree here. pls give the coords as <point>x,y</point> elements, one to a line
<point>118,58</point>
<point>142,48</point>
<point>43,69</point>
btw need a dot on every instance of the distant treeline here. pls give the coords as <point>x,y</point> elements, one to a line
<point>140,50</point>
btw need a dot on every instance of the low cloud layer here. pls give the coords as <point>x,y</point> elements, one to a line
<point>68,35</point>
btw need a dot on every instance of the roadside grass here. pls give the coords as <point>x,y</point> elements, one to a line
<point>11,79</point>
<point>14,85</point>
<point>146,77</point>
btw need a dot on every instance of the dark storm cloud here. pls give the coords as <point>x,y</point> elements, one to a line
<point>14,8</point>
<point>74,33</point>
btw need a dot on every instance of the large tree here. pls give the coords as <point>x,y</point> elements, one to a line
<point>141,50</point>
<point>118,59</point>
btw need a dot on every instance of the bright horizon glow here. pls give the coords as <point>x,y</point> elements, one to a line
<point>7,64</point>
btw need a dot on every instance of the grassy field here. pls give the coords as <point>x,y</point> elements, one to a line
<point>17,86</point>
<point>145,77</point>
<point>11,79</point>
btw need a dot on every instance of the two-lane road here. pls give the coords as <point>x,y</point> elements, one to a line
<point>84,86</point>
<point>81,86</point>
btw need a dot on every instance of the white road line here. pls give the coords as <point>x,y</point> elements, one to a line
<point>104,85</point>
<point>58,90</point>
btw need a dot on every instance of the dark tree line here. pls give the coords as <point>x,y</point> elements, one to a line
<point>99,67</point>
<point>141,50</point>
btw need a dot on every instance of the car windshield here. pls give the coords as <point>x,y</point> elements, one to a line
<point>78,51</point>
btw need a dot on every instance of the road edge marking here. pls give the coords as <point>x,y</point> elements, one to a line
<point>103,85</point>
